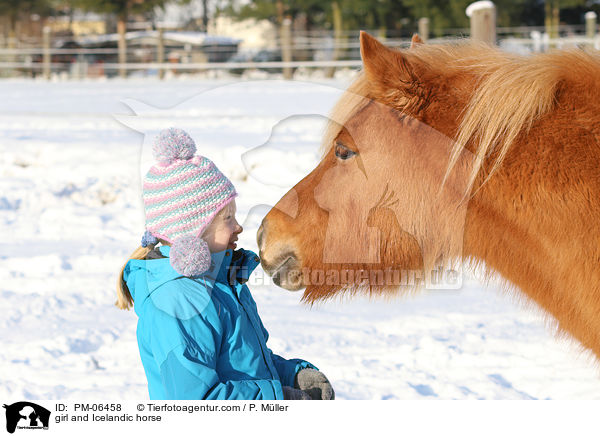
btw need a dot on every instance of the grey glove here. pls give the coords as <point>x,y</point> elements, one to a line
<point>294,394</point>
<point>315,384</point>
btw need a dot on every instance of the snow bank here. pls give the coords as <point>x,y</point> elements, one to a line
<point>71,214</point>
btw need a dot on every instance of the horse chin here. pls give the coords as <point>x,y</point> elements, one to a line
<point>289,285</point>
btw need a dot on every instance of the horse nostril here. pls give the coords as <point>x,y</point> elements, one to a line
<point>288,274</point>
<point>283,262</point>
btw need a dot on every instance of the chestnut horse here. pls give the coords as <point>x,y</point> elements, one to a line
<point>521,171</point>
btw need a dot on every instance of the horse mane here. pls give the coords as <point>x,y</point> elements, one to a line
<point>511,93</point>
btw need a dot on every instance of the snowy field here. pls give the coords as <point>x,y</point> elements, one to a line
<point>70,212</point>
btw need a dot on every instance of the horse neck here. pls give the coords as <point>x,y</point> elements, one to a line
<point>536,224</point>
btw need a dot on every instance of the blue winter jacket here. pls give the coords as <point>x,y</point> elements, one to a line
<point>202,338</point>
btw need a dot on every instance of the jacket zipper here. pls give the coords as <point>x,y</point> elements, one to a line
<point>255,331</point>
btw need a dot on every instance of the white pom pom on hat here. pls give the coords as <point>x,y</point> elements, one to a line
<point>173,144</point>
<point>190,256</point>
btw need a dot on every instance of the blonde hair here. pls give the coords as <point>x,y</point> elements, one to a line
<point>124,298</point>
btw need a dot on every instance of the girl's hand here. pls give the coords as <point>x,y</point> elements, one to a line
<point>315,384</point>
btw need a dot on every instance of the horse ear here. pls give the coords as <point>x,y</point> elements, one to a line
<point>416,40</point>
<point>391,77</point>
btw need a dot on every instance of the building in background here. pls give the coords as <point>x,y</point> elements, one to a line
<point>254,34</point>
<point>78,24</point>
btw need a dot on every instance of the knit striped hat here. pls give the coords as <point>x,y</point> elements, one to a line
<point>182,194</point>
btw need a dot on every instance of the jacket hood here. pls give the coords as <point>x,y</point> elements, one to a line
<point>144,277</point>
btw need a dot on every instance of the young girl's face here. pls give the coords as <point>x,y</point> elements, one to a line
<point>223,230</point>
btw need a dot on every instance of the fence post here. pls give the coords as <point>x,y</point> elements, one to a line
<point>3,41</point>
<point>483,21</point>
<point>286,46</point>
<point>122,46</point>
<point>160,52</point>
<point>12,45</point>
<point>590,24</point>
<point>424,28</point>
<point>555,21</point>
<point>46,58</point>
<point>337,37</point>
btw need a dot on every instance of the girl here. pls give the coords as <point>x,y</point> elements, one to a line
<point>199,333</point>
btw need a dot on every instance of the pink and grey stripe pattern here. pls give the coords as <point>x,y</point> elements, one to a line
<point>182,197</point>
<point>182,194</point>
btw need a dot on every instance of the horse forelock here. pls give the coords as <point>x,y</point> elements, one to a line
<point>354,99</point>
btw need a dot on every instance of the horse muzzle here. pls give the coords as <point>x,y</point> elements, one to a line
<point>280,262</point>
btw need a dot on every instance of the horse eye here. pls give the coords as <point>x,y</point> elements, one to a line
<point>342,152</point>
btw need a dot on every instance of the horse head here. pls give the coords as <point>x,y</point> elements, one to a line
<point>457,152</point>
<point>380,209</point>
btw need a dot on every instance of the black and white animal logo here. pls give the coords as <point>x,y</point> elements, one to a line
<point>26,415</point>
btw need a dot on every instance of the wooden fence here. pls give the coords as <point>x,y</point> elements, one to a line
<point>319,50</point>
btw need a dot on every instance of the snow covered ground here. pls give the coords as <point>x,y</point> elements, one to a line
<point>70,213</point>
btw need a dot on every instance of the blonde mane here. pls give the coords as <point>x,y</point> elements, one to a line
<point>511,93</point>
<point>511,96</point>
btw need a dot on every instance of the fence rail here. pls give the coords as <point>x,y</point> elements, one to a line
<point>199,66</point>
<point>313,50</point>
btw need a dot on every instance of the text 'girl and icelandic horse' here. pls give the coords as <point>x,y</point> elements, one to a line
<point>448,154</point>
